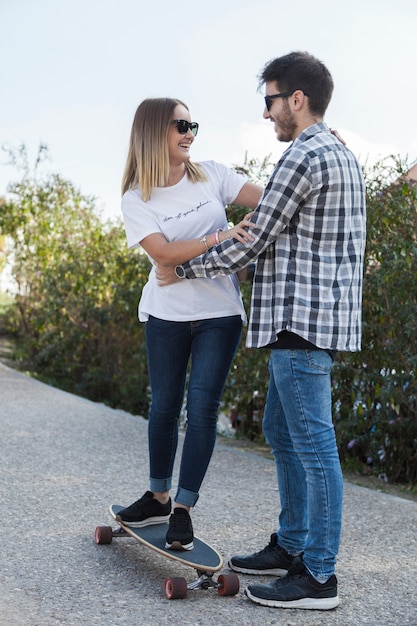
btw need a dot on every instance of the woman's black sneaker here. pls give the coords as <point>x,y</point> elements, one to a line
<point>180,534</point>
<point>145,512</point>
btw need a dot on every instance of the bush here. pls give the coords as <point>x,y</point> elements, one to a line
<point>76,316</point>
<point>78,288</point>
<point>246,386</point>
<point>375,390</point>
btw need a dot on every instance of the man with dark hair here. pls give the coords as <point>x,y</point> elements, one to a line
<point>308,240</point>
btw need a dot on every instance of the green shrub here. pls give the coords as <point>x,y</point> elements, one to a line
<point>78,288</point>
<point>76,316</point>
<point>375,390</point>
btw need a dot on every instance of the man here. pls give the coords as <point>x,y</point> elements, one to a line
<point>309,242</point>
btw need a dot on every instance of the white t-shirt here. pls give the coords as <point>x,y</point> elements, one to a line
<point>186,211</point>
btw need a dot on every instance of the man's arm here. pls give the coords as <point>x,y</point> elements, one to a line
<point>286,190</point>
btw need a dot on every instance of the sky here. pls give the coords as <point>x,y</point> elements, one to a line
<point>73,72</point>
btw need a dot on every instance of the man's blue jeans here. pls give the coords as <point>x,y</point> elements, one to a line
<point>211,345</point>
<point>298,426</point>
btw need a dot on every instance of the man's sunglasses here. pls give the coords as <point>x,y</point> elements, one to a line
<point>269,99</point>
<point>286,94</point>
<point>183,127</point>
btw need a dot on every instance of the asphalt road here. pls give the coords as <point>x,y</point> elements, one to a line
<point>64,460</point>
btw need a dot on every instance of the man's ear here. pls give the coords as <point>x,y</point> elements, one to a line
<point>299,99</point>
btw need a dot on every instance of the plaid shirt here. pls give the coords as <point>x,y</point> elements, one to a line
<point>309,247</point>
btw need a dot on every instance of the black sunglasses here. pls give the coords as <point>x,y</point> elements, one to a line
<point>183,127</point>
<point>268,99</point>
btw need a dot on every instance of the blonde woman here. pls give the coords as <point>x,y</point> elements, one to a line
<point>175,210</point>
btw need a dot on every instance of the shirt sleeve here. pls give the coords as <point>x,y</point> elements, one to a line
<point>227,181</point>
<point>138,223</point>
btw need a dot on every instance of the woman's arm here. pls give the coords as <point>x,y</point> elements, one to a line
<point>174,253</point>
<point>249,195</point>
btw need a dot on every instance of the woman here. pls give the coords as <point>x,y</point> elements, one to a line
<point>175,210</point>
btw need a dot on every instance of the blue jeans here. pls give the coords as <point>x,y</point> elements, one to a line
<point>211,345</point>
<point>298,426</point>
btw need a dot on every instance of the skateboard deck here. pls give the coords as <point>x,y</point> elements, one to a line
<point>203,558</point>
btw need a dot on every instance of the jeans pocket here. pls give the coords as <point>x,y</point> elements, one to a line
<point>320,360</point>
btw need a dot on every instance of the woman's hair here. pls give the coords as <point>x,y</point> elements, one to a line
<point>147,164</point>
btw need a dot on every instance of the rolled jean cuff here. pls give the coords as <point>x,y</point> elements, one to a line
<point>185,497</point>
<point>160,485</point>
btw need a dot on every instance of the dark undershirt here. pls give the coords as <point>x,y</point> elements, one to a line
<point>290,341</point>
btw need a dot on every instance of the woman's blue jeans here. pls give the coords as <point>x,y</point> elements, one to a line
<point>211,345</point>
<point>298,426</point>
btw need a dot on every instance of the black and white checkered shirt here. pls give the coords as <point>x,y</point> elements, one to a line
<point>309,247</point>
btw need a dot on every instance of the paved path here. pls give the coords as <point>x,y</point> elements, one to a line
<point>64,460</point>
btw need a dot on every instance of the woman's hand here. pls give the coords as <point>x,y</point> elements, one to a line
<point>240,231</point>
<point>165,275</point>
<point>336,134</point>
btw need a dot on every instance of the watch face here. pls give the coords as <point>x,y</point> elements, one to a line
<point>180,272</point>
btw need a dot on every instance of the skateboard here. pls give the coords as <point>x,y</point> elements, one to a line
<point>204,559</point>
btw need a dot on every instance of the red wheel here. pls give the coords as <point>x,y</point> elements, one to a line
<point>175,588</point>
<point>103,534</point>
<point>229,584</point>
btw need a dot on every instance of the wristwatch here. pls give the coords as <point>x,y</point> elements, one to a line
<point>180,271</point>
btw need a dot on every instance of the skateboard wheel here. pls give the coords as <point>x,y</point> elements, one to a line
<point>228,584</point>
<point>175,588</point>
<point>103,535</point>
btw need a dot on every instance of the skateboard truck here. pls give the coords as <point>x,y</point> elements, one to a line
<point>226,585</point>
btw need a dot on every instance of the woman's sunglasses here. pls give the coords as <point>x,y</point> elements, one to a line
<point>183,126</point>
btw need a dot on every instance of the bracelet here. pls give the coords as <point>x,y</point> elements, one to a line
<point>203,240</point>
<point>216,235</point>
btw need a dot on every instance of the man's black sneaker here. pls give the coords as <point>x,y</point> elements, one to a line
<point>272,560</point>
<point>297,590</point>
<point>180,534</point>
<point>145,512</point>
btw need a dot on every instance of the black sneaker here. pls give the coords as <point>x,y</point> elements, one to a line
<point>297,590</point>
<point>272,560</point>
<point>180,534</point>
<point>145,512</point>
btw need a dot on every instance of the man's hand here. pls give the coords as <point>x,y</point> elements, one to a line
<point>165,275</point>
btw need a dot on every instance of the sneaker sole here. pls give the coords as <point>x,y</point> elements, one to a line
<point>178,546</point>
<point>258,572</point>
<point>320,604</point>
<point>149,521</point>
